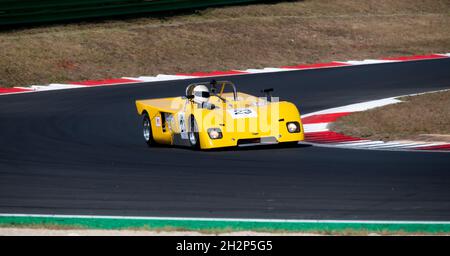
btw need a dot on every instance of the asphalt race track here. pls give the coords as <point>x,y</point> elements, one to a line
<point>81,152</point>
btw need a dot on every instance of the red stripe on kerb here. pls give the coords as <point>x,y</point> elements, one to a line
<point>417,57</point>
<point>13,90</point>
<point>317,65</point>
<point>328,137</point>
<point>323,118</point>
<point>438,147</point>
<point>106,82</point>
<point>214,73</point>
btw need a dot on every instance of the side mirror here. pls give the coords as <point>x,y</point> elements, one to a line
<point>209,106</point>
<point>267,90</point>
<point>213,85</point>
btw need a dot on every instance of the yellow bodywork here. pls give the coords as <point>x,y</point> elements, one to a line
<point>247,121</point>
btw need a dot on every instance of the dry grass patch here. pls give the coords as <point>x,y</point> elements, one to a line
<point>236,37</point>
<point>424,117</point>
<point>54,230</point>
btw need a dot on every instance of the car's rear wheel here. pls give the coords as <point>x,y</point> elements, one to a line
<point>194,138</point>
<point>147,130</point>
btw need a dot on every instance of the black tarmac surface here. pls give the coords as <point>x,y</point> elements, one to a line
<point>81,151</point>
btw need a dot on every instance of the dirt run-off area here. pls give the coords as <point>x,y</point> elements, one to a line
<point>45,231</point>
<point>424,117</point>
<point>235,37</point>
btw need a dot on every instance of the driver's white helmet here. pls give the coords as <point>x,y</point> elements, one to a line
<point>201,94</point>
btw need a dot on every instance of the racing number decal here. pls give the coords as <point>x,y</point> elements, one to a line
<point>242,113</point>
<point>183,127</point>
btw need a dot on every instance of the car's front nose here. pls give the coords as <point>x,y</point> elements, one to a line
<point>268,134</point>
<point>244,125</point>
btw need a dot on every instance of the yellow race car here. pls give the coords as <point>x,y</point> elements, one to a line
<point>215,115</point>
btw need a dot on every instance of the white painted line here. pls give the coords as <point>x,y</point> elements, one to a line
<point>430,145</point>
<point>365,144</point>
<point>420,144</point>
<point>222,219</point>
<point>363,106</point>
<point>386,145</point>
<point>411,145</point>
<point>357,143</point>
<point>368,144</point>
<point>422,93</point>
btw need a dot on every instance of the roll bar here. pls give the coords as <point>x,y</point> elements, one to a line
<point>213,88</point>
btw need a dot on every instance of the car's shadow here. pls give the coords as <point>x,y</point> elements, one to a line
<point>260,147</point>
<point>242,148</point>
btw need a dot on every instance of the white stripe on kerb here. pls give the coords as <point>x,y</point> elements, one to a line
<point>366,62</point>
<point>266,70</point>
<point>160,77</point>
<point>320,127</point>
<point>52,87</point>
<point>222,219</point>
<point>64,86</point>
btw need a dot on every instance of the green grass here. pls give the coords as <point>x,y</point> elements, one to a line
<point>224,226</point>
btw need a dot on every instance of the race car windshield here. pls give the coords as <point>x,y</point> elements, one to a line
<point>224,87</point>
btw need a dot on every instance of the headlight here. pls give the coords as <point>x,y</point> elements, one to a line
<point>215,133</point>
<point>293,127</point>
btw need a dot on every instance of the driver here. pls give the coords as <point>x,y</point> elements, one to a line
<point>201,96</point>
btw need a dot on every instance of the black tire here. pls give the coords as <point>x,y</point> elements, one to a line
<point>194,138</point>
<point>147,131</point>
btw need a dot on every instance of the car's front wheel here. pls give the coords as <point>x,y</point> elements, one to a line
<point>194,138</point>
<point>147,130</point>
